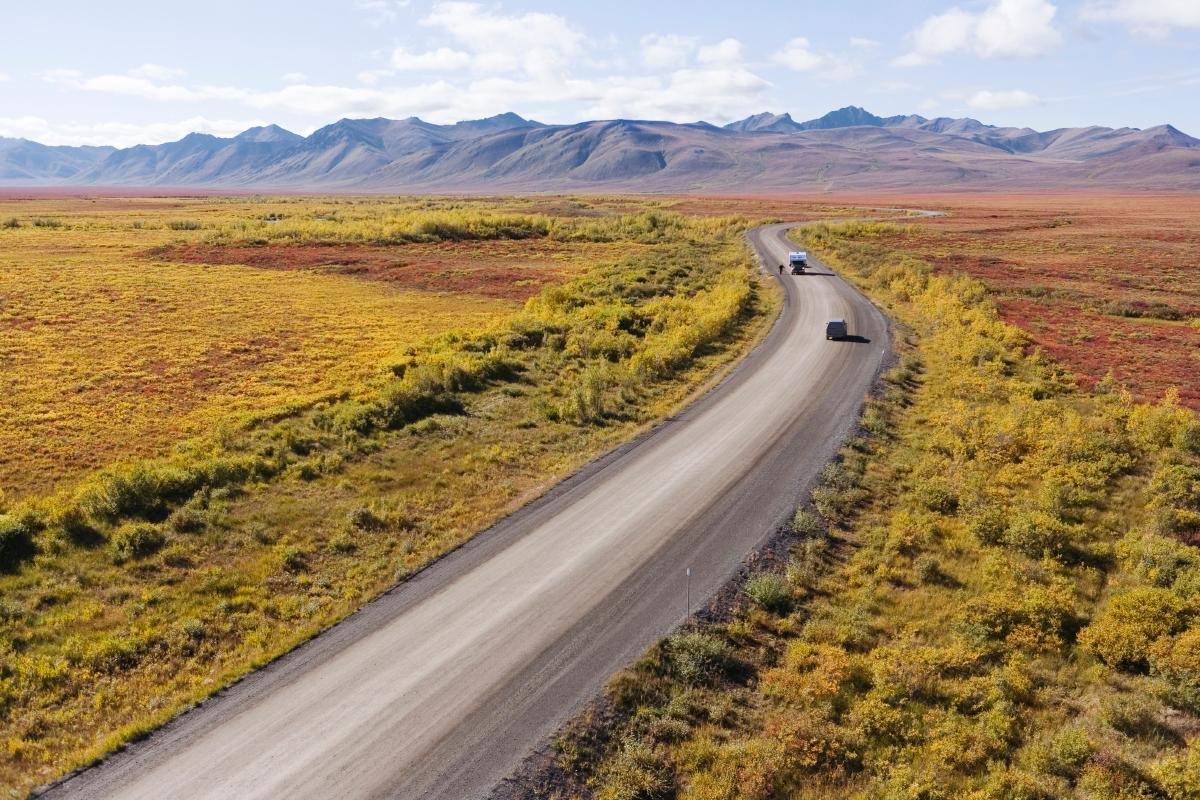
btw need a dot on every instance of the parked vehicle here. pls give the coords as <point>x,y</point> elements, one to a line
<point>836,329</point>
<point>798,261</point>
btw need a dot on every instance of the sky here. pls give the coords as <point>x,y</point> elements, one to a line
<point>125,72</point>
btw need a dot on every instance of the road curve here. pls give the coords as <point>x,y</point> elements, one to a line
<point>439,688</point>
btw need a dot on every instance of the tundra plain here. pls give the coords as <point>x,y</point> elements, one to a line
<point>994,592</point>
<point>234,420</point>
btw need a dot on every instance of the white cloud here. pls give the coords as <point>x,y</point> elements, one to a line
<point>483,62</point>
<point>120,84</point>
<point>939,35</point>
<point>670,50</point>
<point>726,51</point>
<point>381,12</point>
<point>118,134</point>
<point>717,94</point>
<point>1006,28</point>
<point>798,54</point>
<point>535,43</point>
<point>860,42</point>
<point>988,100</point>
<point>1149,18</point>
<point>374,76</point>
<point>441,59</point>
<point>1017,28</point>
<point>156,72</point>
<point>294,77</point>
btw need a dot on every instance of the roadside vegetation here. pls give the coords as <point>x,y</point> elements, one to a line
<point>991,594</point>
<point>134,588</point>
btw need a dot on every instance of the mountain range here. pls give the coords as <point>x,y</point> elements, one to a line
<point>850,148</point>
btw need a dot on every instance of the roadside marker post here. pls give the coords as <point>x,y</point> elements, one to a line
<point>688,615</point>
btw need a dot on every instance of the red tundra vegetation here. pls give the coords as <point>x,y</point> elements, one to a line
<point>1101,282</point>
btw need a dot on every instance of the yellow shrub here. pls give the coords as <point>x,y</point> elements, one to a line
<point>1134,620</point>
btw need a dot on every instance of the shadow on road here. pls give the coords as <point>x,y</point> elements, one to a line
<point>853,339</point>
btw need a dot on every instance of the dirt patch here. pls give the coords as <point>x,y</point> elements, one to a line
<point>511,270</point>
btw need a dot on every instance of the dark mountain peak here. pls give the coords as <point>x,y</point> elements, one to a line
<point>905,121</point>
<point>499,122</point>
<point>506,120</point>
<point>1167,136</point>
<point>953,126</point>
<point>347,128</point>
<point>201,140</point>
<point>268,133</point>
<point>848,117</point>
<point>766,121</point>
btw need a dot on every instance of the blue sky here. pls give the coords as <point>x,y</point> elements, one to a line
<point>130,71</point>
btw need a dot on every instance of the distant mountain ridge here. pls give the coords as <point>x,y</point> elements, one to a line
<point>849,148</point>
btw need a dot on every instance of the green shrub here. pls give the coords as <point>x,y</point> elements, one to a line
<point>47,222</point>
<point>404,401</point>
<point>1132,715</point>
<point>353,416</point>
<point>988,524</point>
<point>364,518</point>
<point>836,475</point>
<point>770,592</point>
<point>1177,659</point>
<point>291,558</point>
<point>1162,561</point>
<point>11,222</point>
<point>16,541</point>
<point>1187,439</point>
<point>806,562</point>
<point>697,658</point>
<point>147,489</point>
<point>136,540</point>
<point>836,505</point>
<point>847,626</point>
<point>1179,773</point>
<point>1036,533</point>
<point>1034,616</point>
<point>1176,496</point>
<point>193,629</point>
<point>807,525</point>
<point>343,543</point>
<point>638,772</point>
<point>10,611</point>
<point>184,225</point>
<point>936,495</point>
<point>1108,777</point>
<point>187,519</point>
<point>928,569</point>
<point>73,522</point>
<point>1062,753</point>
<point>1003,783</point>
<point>1122,633</point>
